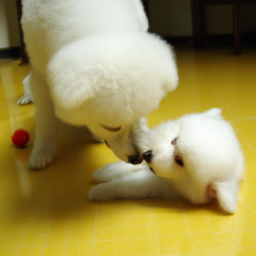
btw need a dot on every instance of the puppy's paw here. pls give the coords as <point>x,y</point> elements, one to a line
<point>102,192</point>
<point>40,158</point>
<point>25,99</point>
<point>112,171</point>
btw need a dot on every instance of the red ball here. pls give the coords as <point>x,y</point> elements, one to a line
<point>20,138</point>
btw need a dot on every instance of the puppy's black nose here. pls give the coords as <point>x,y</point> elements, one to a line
<point>135,159</point>
<point>147,156</point>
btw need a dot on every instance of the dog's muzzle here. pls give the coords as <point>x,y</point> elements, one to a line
<point>135,159</point>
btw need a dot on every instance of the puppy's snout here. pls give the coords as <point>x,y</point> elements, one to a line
<point>135,159</point>
<point>147,156</point>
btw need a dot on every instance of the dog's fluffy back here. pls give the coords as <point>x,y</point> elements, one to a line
<point>49,25</point>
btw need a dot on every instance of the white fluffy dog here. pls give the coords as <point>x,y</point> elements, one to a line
<point>93,64</point>
<point>197,157</point>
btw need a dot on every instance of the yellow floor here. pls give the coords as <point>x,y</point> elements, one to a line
<point>48,213</point>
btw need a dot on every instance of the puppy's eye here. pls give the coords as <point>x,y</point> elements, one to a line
<point>179,160</point>
<point>110,129</point>
<point>174,141</point>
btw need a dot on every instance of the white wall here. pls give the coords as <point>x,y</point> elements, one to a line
<point>173,18</point>
<point>9,29</point>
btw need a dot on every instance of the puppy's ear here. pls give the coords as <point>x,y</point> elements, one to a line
<point>214,112</point>
<point>226,194</point>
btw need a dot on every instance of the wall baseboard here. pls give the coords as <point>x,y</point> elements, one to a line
<point>247,39</point>
<point>10,53</point>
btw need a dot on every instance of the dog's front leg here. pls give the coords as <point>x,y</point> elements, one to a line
<point>46,123</point>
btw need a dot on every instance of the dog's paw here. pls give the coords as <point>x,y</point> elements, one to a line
<point>102,192</point>
<point>40,158</point>
<point>25,99</point>
<point>112,171</point>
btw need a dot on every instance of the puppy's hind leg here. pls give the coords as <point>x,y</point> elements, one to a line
<point>46,123</point>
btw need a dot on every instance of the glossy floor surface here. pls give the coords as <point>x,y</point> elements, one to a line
<point>47,212</point>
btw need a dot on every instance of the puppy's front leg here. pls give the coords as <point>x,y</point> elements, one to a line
<point>46,123</point>
<point>139,183</point>
<point>114,171</point>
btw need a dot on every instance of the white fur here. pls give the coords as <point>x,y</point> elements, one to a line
<point>93,63</point>
<point>213,163</point>
<point>122,180</point>
<point>27,97</point>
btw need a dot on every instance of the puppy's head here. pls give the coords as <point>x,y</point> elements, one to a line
<point>200,154</point>
<point>108,81</point>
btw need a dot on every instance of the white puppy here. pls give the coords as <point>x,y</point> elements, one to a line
<point>197,157</point>
<point>93,64</point>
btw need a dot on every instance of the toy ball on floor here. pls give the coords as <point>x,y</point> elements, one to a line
<point>20,138</point>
